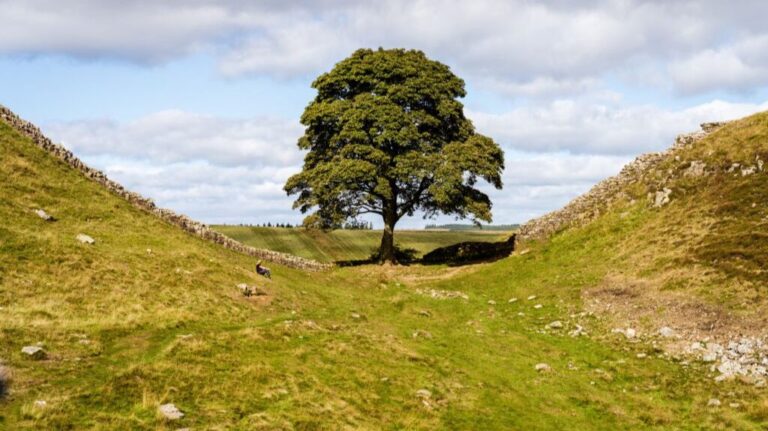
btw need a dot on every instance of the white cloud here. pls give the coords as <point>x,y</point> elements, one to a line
<point>740,66</point>
<point>173,136</point>
<point>526,48</point>
<point>580,127</point>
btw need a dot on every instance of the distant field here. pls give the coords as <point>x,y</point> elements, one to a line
<point>348,244</point>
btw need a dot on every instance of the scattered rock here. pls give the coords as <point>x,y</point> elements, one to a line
<point>170,412</point>
<point>578,331</point>
<point>696,169</point>
<point>532,297</point>
<point>629,333</point>
<point>424,394</point>
<point>537,306</point>
<point>491,302</point>
<point>34,352</point>
<point>667,332</point>
<point>543,368</point>
<point>85,239</point>
<point>357,316</point>
<point>748,171</point>
<point>44,215</point>
<point>641,356</point>
<point>713,402</point>
<point>422,334</point>
<point>442,294</point>
<point>734,405</point>
<point>512,300</point>
<point>662,197</point>
<point>247,290</point>
<point>425,313</point>
<point>555,325</point>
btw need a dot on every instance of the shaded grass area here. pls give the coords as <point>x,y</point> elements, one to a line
<point>128,329</point>
<point>349,245</point>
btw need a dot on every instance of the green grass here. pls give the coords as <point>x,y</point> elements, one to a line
<point>127,330</point>
<point>342,245</point>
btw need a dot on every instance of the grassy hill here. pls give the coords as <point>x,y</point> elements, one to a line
<point>151,315</point>
<point>341,245</point>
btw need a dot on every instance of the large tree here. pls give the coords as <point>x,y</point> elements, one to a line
<point>386,135</point>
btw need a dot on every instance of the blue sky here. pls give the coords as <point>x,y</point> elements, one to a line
<point>196,104</point>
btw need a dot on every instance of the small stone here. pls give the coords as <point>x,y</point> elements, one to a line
<point>630,333</point>
<point>425,313</point>
<point>667,332</point>
<point>532,297</point>
<point>423,394</point>
<point>555,325</point>
<point>641,356</point>
<point>356,316</point>
<point>662,197</point>
<point>422,334</point>
<point>734,405</point>
<point>512,300</point>
<point>713,402</point>
<point>44,215</point>
<point>170,412</point>
<point>543,368</point>
<point>491,302</point>
<point>85,239</point>
<point>34,352</point>
<point>537,306</point>
<point>41,404</point>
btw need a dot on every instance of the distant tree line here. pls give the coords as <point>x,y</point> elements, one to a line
<point>349,225</point>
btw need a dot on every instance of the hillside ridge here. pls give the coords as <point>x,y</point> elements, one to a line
<point>592,204</point>
<point>184,222</point>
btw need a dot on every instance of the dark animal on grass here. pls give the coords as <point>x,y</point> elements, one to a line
<point>263,270</point>
<point>470,252</point>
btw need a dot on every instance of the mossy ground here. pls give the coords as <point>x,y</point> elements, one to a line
<point>127,330</point>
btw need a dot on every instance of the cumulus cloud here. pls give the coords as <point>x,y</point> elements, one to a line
<point>173,136</point>
<point>580,127</point>
<point>526,48</point>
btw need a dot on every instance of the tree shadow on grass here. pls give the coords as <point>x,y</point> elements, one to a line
<point>471,252</point>
<point>463,253</point>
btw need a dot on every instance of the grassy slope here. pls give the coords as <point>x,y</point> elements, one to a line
<point>169,327</point>
<point>348,244</point>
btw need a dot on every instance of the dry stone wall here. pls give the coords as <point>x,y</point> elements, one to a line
<point>193,227</point>
<point>590,205</point>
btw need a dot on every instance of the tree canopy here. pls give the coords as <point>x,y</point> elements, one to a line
<point>386,135</point>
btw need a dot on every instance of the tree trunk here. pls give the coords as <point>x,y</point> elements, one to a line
<point>387,248</point>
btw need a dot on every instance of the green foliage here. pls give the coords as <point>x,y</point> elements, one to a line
<point>386,135</point>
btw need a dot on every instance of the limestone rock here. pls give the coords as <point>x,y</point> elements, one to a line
<point>44,215</point>
<point>542,368</point>
<point>85,239</point>
<point>661,197</point>
<point>667,332</point>
<point>696,169</point>
<point>170,412</point>
<point>555,325</point>
<point>424,394</point>
<point>34,352</point>
<point>713,402</point>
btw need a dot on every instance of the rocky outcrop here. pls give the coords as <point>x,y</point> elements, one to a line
<point>193,227</point>
<point>590,205</point>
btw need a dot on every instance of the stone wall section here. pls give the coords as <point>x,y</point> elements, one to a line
<point>193,227</point>
<point>590,205</point>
